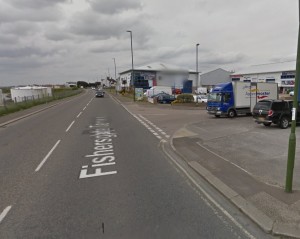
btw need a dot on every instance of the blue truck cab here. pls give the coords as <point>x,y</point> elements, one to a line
<point>221,100</point>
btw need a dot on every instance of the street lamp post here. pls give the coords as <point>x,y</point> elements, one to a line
<point>132,70</point>
<point>115,74</point>
<point>197,73</point>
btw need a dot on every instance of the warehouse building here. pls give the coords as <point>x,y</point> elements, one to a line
<point>282,73</point>
<point>215,77</point>
<point>158,74</point>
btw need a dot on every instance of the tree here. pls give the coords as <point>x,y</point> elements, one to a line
<point>82,83</point>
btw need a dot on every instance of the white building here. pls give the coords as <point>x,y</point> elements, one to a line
<point>282,73</point>
<point>21,94</point>
<point>158,74</point>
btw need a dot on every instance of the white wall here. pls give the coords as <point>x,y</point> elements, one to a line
<point>30,93</point>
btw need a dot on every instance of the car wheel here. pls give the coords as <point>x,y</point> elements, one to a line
<point>217,116</point>
<point>267,124</point>
<point>231,113</point>
<point>284,122</point>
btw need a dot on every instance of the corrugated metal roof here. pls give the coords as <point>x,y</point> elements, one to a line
<point>267,68</point>
<point>158,66</point>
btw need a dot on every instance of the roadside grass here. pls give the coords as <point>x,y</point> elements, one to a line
<point>57,94</point>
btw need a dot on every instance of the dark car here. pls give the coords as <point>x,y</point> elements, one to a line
<point>165,98</point>
<point>278,112</point>
<point>99,93</point>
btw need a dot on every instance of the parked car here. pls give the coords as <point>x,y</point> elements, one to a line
<point>99,93</point>
<point>291,93</point>
<point>277,112</point>
<point>165,98</point>
<point>201,98</point>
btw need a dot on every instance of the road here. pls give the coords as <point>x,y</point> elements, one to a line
<point>89,168</point>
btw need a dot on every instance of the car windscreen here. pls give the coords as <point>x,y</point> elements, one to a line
<point>263,105</point>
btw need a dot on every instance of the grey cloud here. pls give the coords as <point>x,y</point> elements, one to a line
<point>19,28</point>
<point>23,52</point>
<point>11,14</point>
<point>36,4</point>
<point>104,27</point>
<point>114,6</point>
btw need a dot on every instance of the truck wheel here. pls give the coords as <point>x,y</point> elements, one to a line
<point>267,124</point>
<point>231,113</point>
<point>284,122</point>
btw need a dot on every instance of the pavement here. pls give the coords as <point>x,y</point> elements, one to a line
<point>268,205</point>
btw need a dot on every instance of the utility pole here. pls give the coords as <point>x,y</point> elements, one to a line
<point>132,70</point>
<point>292,138</point>
<point>197,73</point>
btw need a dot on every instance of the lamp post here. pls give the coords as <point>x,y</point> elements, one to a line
<point>197,74</point>
<point>115,74</point>
<point>132,77</point>
<point>292,138</point>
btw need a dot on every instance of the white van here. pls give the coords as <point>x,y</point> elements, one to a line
<point>158,89</point>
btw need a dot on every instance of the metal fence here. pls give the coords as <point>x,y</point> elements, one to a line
<point>12,105</point>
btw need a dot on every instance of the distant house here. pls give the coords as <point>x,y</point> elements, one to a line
<point>157,74</point>
<point>212,78</point>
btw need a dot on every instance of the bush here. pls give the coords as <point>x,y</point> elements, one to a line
<point>185,98</point>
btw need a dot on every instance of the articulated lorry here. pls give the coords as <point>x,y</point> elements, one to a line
<point>235,98</point>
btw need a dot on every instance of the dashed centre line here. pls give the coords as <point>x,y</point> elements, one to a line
<point>47,156</point>
<point>70,126</point>
<point>4,213</point>
<point>78,115</point>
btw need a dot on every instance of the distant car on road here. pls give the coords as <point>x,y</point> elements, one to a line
<point>99,93</point>
<point>292,93</point>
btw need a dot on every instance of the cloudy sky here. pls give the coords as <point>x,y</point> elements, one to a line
<point>55,41</point>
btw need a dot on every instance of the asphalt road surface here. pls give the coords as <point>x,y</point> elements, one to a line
<point>88,168</point>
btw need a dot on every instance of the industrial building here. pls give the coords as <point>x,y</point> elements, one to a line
<point>282,73</point>
<point>158,74</point>
<point>215,77</point>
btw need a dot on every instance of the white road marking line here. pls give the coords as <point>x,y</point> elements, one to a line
<point>84,108</point>
<point>78,115</point>
<point>47,156</point>
<point>103,164</point>
<point>70,126</point>
<point>209,197</point>
<point>4,213</point>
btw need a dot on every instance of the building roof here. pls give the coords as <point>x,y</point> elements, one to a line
<point>29,88</point>
<point>268,68</point>
<point>158,66</point>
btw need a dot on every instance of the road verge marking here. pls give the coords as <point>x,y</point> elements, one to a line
<point>208,197</point>
<point>47,156</point>
<point>70,126</point>
<point>4,213</point>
